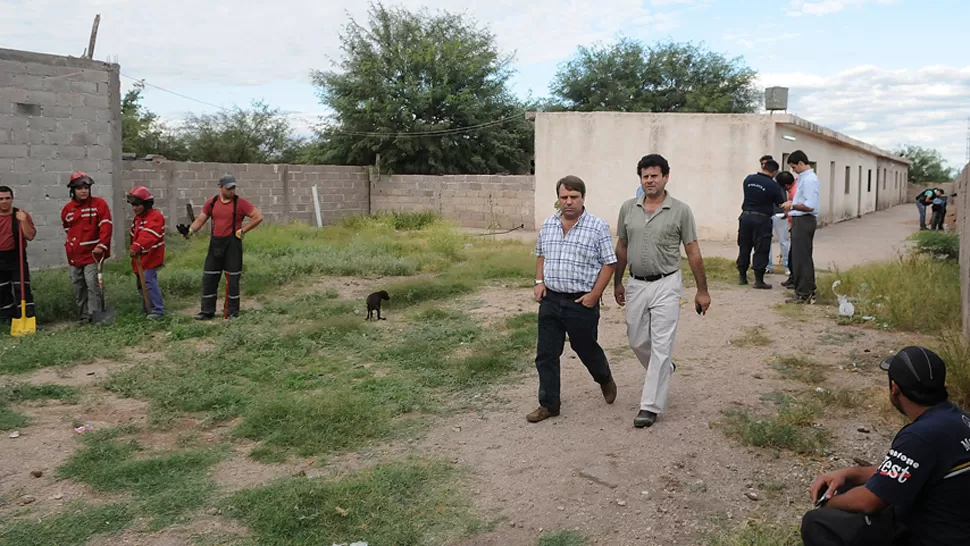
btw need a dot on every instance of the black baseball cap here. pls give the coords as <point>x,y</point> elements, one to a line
<point>228,181</point>
<point>916,369</point>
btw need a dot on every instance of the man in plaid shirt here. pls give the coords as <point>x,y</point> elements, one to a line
<point>575,260</point>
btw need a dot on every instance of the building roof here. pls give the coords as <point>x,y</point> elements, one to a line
<point>792,120</point>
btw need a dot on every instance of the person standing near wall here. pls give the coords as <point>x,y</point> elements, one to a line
<point>15,226</point>
<point>761,195</point>
<point>87,222</point>
<point>782,226</point>
<point>148,247</point>
<point>574,263</point>
<point>923,200</point>
<point>227,211</point>
<point>650,232</point>
<point>803,209</point>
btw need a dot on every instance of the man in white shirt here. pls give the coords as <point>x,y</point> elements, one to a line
<point>803,209</point>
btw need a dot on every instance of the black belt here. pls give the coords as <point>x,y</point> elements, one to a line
<point>743,212</point>
<point>651,278</point>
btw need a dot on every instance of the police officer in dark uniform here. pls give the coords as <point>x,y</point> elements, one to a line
<point>917,495</point>
<point>761,194</point>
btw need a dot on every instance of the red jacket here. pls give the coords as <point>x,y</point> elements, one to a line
<point>148,237</point>
<point>88,225</point>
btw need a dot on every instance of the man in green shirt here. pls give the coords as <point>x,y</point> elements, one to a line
<point>650,231</point>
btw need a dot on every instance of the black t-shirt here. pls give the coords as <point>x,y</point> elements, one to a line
<point>926,196</point>
<point>761,194</point>
<point>926,477</point>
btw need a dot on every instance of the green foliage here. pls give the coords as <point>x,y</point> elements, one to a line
<point>415,72</point>
<point>141,131</point>
<point>928,165</point>
<point>792,428</point>
<point>413,503</point>
<point>937,244</point>
<point>757,533</point>
<point>257,135</point>
<point>628,76</point>
<point>10,419</point>
<point>563,538</point>
<point>76,526</point>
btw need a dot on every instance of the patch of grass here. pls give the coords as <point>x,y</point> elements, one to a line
<point>796,313</point>
<point>841,398</point>
<point>914,293</point>
<point>792,428</point>
<point>412,292</point>
<point>799,369</point>
<point>563,538</point>
<point>937,244</point>
<point>10,419</point>
<point>716,269</point>
<point>757,533</point>
<point>954,349</point>
<point>165,486</point>
<point>754,336</point>
<point>76,526</point>
<point>413,503</point>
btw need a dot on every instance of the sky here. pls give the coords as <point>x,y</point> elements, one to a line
<point>888,72</point>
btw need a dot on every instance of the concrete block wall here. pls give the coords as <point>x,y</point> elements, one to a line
<point>472,201</point>
<point>281,192</point>
<point>57,115</point>
<point>963,227</point>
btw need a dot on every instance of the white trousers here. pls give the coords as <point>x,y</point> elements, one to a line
<point>780,226</point>
<point>652,313</point>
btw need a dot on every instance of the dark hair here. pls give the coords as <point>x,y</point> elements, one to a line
<point>923,397</point>
<point>573,183</point>
<point>771,166</point>
<point>785,178</point>
<point>766,158</point>
<point>653,160</point>
<point>797,157</point>
<point>6,189</point>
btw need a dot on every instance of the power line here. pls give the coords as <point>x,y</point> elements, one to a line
<point>177,94</point>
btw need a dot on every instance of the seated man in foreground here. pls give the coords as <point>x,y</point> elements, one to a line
<point>918,495</point>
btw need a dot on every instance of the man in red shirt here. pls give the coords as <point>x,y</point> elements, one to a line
<point>87,222</point>
<point>147,246</point>
<point>227,211</point>
<point>13,223</point>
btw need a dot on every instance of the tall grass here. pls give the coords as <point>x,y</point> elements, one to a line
<point>937,244</point>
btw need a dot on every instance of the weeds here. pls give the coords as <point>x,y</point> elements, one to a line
<point>936,244</point>
<point>76,526</point>
<point>799,369</point>
<point>716,269</point>
<point>757,533</point>
<point>10,419</point>
<point>405,504</point>
<point>955,351</point>
<point>563,538</point>
<point>792,428</point>
<point>754,336</point>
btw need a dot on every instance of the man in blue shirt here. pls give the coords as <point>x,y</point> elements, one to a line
<point>761,195</point>
<point>803,209</point>
<point>923,200</point>
<point>575,260</point>
<point>917,495</point>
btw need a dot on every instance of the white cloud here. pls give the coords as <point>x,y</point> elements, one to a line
<point>751,40</point>
<point>887,108</point>
<point>182,43</point>
<point>826,7</point>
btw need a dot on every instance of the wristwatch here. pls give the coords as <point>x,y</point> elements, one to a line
<point>538,282</point>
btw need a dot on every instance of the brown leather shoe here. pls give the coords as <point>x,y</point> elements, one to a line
<point>540,414</point>
<point>609,391</point>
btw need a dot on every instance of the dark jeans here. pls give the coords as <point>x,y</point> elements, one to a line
<point>802,264</point>
<point>225,254</point>
<point>559,314</point>
<point>10,286</point>
<point>154,292</point>
<point>754,232</point>
<point>834,527</point>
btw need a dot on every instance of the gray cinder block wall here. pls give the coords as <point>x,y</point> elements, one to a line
<point>963,227</point>
<point>57,115</point>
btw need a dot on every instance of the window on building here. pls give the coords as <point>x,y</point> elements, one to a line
<point>869,182</point>
<point>784,162</point>
<point>848,181</point>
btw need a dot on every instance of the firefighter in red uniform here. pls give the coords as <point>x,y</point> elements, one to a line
<point>87,221</point>
<point>148,246</point>
<point>16,227</point>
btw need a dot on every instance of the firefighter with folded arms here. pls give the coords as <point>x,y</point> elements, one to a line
<point>147,247</point>
<point>87,223</point>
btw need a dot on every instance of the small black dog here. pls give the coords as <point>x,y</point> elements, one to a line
<point>374,304</point>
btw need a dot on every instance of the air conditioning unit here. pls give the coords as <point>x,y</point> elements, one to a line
<point>776,98</point>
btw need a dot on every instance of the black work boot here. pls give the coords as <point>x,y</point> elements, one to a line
<point>742,277</point>
<point>759,281</point>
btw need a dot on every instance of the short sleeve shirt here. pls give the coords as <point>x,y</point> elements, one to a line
<point>926,477</point>
<point>653,240</point>
<point>572,261</point>
<point>221,214</point>
<point>6,231</point>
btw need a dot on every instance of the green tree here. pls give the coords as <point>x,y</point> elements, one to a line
<point>259,135</point>
<point>426,92</point>
<point>628,76</point>
<point>141,131</point>
<point>928,165</point>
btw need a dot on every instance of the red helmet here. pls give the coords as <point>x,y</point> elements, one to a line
<point>141,193</point>
<point>78,179</point>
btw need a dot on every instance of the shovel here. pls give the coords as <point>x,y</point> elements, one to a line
<point>141,281</point>
<point>105,315</point>
<point>24,325</point>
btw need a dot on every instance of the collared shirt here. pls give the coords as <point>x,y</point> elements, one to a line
<point>653,240</point>
<point>573,261</point>
<point>761,194</point>
<point>806,193</point>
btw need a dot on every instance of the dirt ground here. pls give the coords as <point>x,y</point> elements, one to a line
<point>589,469</point>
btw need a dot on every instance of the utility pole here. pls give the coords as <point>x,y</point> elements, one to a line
<point>94,37</point>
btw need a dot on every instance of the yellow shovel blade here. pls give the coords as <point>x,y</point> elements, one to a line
<point>24,325</point>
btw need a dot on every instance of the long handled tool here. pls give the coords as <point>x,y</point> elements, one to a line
<point>105,315</point>
<point>24,325</point>
<point>141,281</point>
<point>226,304</point>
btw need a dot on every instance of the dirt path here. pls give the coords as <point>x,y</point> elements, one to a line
<point>590,470</point>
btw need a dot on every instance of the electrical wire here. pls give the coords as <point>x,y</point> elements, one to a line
<point>177,94</point>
